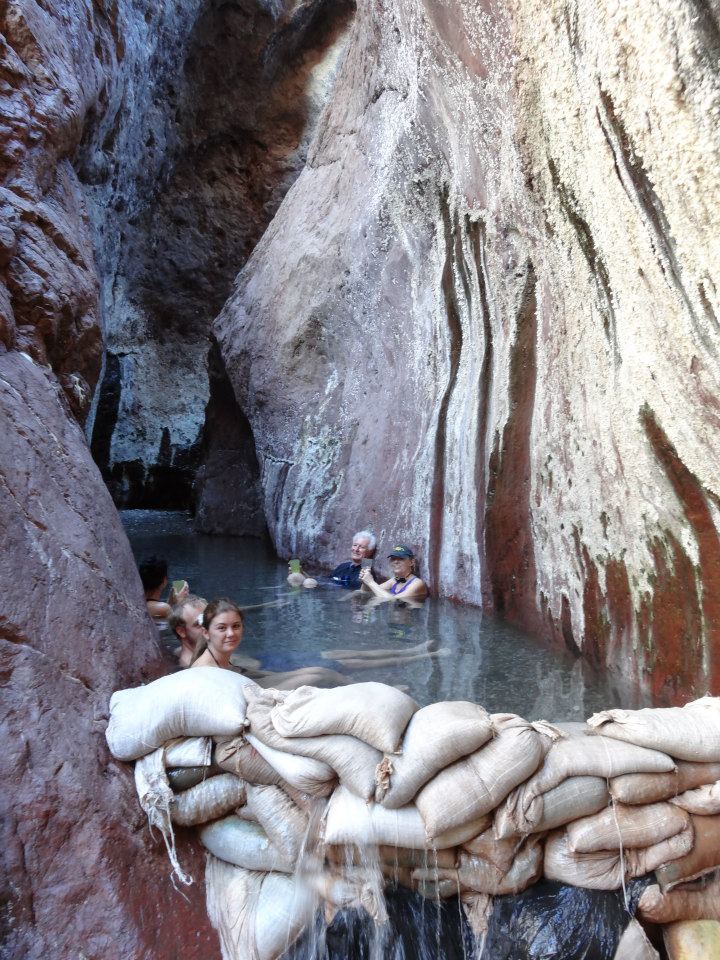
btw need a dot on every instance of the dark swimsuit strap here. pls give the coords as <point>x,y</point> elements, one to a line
<point>407,583</point>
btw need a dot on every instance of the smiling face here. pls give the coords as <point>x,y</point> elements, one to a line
<point>359,549</point>
<point>190,628</point>
<point>401,567</point>
<point>224,633</point>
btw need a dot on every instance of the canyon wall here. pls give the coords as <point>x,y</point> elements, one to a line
<point>200,128</point>
<point>484,321</point>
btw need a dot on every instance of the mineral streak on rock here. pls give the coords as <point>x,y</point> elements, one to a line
<point>394,371</point>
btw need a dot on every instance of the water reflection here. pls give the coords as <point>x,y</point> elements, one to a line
<point>446,651</point>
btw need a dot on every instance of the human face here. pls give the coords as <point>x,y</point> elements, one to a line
<point>401,567</point>
<point>359,549</point>
<point>224,633</point>
<point>190,631</point>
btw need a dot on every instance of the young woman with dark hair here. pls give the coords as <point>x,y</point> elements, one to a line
<point>222,623</point>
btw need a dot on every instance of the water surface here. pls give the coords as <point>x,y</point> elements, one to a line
<point>478,658</point>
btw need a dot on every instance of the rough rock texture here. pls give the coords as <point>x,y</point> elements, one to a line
<point>80,871</point>
<point>202,125</point>
<point>494,287</point>
<point>81,876</point>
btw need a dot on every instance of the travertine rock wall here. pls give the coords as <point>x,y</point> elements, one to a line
<point>484,320</point>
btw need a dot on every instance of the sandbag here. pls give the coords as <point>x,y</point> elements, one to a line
<point>691,732</point>
<point>651,787</point>
<point>704,801</point>
<point>699,901</point>
<point>182,778</point>
<point>192,703</point>
<point>627,826</point>
<point>573,798</point>
<point>244,844</point>
<point>593,756</point>
<point>481,876</point>
<point>189,752</point>
<point>257,916</point>
<point>692,940</point>
<point>634,944</point>
<point>702,858</point>
<point>372,712</point>
<point>156,799</point>
<point>353,760</point>
<point>281,819</point>
<point>208,800</point>
<point>608,869</point>
<point>303,773</point>
<point>436,736</point>
<point>237,756</point>
<point>351,820</point>
<point>472,787</point>
<point>498,851</point>
<point>346,856</point>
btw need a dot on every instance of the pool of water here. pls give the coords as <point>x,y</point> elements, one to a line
<point>474,656</point>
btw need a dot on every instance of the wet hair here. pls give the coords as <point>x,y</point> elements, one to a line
<point>212,610</point>
<point>370,537</point>
<point>177,615</point>
<point>153,572</point>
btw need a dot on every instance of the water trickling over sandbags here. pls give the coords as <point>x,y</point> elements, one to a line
<point>332,816</point>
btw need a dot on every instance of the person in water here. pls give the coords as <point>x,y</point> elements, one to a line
<point>154,578</point>
<point>185,621</point>
<point>221,633</point>
<point>404,584</point>
<point>347,574</point>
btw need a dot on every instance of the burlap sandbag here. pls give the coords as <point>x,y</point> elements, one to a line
<point>651,787</point>
<point>257,915</point>
<point>372,712</point>
<point>691,732</point>
<point>353,760</point>
<point>623,826</point>
<point>608,869</point>
<point>281,819</point>
<point>703,858</point>
<point>700,901</point>
<point>436,736</point>
<point>495,850</point>
<point>481,876</point>
<point>350,820</point>
<point>472,787</point>
<point>244,844</point>
<point>573,798</point>
<point>345,856</point>
<point>208,800</point>
<point>193,703</point>
<point>188,752</point>
<point>303,773</point>
<point>704,801</point>
<point>634,944</point>
<point>237,756</point>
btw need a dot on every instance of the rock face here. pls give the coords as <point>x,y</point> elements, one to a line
<point>494,285</point>
<point>81,874</point>
<point>80,871</point>
<point>201,126</point>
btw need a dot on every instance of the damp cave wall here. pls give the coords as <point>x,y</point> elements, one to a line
<point>485,320</point>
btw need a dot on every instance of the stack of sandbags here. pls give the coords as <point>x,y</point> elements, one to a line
<point>604,851</point>
<point>572,782</point>
<point>318,797</point>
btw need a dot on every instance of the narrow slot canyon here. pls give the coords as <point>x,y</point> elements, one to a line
<point>439,270</point>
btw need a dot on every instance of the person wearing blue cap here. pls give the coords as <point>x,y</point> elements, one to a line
<point>404,584</point>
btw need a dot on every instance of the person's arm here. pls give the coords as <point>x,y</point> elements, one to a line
<point>158,610</point>
<point>417,590</point>
<point>381,590</point>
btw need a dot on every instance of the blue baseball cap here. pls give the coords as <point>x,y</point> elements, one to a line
<point>401,552</point>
